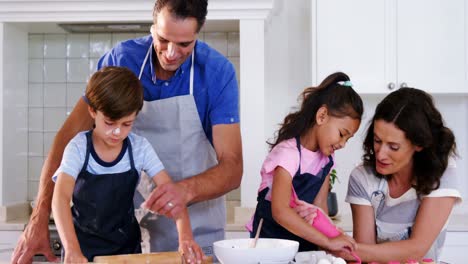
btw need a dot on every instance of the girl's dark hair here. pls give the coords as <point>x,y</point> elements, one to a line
<point>413,111</point>
<point>115,91</point>
<point>340,100</point>
<point>183,9</point>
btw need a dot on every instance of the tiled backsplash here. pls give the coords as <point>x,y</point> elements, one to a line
<point>59,66</point>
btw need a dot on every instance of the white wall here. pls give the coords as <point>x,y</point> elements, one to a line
<point>287,42</point>
<point>2,30</point>
<point>454,110</point>
<point>288,67</point>
<point>14,97</point>
<point>59,66</point>
<point>347,158</point>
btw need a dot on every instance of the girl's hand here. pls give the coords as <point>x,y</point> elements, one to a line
<point>75,257</point>
<point>341,242</point>
<point>306,210</point>
<point>190,251</point>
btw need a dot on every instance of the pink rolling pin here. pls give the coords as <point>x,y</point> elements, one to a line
<point>324,225</point>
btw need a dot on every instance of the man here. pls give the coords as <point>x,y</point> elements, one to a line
<point>190,116</point>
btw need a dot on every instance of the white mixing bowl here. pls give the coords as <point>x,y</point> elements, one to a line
<point>268,250</point>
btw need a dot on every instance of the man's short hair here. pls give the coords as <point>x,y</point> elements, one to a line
<point>184,9</point>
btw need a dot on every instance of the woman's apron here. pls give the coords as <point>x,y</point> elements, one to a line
<point>306,186</point>
<point>103,212</point>
<point>173,127</point>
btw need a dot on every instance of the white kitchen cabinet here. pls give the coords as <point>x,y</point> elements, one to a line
<point>8,240</point>
<point>387,44</point>
<point>349,36</point>
<point>456,244</point>
<point>10,237</point>
<point>6,251</point>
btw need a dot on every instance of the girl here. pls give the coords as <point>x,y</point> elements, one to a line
<point>100,170</point>
<point>300,161</point>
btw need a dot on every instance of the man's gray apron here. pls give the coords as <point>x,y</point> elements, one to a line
<point>174,129</point>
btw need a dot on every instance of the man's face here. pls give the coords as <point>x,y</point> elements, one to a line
<point>174,39</point>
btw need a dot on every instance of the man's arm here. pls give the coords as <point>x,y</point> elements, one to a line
<point>224,177</point>
<point>34,238</point>
<point>212,183</point>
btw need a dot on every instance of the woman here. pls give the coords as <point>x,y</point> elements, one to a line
<point>405,180</point>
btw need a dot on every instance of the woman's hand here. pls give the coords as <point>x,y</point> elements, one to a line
<point>75,257</point>
<point>306,210</point>
<point>190,251</point>
<point>344,254</point>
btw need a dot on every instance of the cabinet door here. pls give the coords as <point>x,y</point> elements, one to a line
<point>8,240</point>
<point>431,45</point>
<point>455,246</point>
<point>350,36</point>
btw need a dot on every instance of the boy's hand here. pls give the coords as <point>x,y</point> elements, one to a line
<point>190,251</point>
<point>306,210</point>
<point>75,257</point>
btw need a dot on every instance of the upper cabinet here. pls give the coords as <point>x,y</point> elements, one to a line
<point>431,47</point>
<point>387,44</point>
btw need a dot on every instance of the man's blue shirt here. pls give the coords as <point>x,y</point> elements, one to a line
<point>214,86</point>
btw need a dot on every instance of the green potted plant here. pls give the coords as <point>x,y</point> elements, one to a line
<point>332,201</point>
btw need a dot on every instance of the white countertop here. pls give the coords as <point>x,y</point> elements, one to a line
<point>458,223</point>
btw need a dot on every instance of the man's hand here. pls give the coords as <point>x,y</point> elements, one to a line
<point>34,240</point>
<point>167,199</point>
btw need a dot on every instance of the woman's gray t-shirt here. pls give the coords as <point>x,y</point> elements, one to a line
<point>396,216</point>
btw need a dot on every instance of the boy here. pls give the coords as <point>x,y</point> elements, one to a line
<point>100,170</point>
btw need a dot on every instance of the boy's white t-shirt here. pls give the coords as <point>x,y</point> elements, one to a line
<point>144,156</point>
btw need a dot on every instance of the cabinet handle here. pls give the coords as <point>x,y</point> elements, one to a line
<point>403,85</point>
<point>391,86</point>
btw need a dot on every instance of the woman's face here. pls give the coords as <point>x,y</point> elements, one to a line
<point>393,151</point>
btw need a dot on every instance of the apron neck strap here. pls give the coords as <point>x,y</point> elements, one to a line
<point>146,60</point>
<point>191,71</point>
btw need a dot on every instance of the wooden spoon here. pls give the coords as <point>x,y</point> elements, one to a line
<point>254,242</point>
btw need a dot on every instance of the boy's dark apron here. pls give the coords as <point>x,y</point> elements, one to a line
<point>103,212</point>
<point>306,186</point>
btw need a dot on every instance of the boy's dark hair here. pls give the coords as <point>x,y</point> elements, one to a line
<point>183,9</point>
<point>413,111</point>
<point>115,91</point>
<point>341,100</point>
